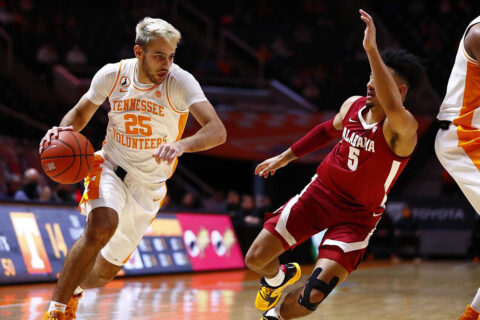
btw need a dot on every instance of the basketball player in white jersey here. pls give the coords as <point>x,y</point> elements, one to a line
<point>150,99</point>
<point>458,141</point>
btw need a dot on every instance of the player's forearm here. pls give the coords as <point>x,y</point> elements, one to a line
<point>288,156</point>
<point>315,138</point>
<point>210,135</point>
<point>73,118</point>
<point>386,89</point>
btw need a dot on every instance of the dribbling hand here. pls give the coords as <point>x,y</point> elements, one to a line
<point>52,134</point>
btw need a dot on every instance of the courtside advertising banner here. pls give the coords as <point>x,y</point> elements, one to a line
<point>210,241</point>
<point>34,240</point>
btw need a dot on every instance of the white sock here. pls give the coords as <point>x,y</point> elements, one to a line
<point>57,306</point>
<point>78,290</point>
<point>277,280</point>
<point>476,302</point>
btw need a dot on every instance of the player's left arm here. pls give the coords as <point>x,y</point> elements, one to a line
<point>211,134</point>
<point>472,42</point>
<point>400,120</point>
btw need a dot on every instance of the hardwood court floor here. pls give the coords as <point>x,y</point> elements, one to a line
<point>427,291</point>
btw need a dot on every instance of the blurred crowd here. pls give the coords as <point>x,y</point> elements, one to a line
<point>431,29</point>
<point>301,43</point>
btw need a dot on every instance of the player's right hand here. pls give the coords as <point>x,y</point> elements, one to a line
<point>52,134</point>
<point>269,166</point>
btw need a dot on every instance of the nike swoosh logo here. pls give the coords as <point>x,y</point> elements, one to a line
<point>377,214</point>
<point>270,299</point>
<point>351,120</point>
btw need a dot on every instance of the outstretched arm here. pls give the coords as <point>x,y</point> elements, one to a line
<point>400,120</point>
<point>312,141</point>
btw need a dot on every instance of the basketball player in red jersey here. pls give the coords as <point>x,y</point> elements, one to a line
<point>349,191</point>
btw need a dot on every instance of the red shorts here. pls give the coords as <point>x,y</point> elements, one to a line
<point>349,227</point>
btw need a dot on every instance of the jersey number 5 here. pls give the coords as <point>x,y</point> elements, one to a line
<point>137,125</point>
<point>353,155</point>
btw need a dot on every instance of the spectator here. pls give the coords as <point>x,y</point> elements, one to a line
<point>247,210</point>
<point>47,55</point>
<point>31,189</point>
<point>189,201</point>
<point>64,193</point>
<point>233,203</point>
<point>76,57</point>
<point>215,202</point>
<point>46,194</point>
<point>263,204</point>
<point>14,183</point>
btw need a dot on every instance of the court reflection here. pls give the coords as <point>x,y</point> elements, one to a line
<point>182,296</point>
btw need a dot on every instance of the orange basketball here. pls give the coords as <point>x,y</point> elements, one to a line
<point>67,159</point>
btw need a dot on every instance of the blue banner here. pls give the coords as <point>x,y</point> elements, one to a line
<point>35,238</point>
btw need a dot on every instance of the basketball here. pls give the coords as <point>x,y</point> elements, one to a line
<point>67,159</point>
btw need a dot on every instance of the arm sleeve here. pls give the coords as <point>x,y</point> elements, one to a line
<point>315,138</point>
<point>184,90</point>
<point>102,83</point>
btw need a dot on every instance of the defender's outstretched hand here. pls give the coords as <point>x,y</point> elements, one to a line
<point>269,166</point>
<point>52,134</point>
<point>370,38</point>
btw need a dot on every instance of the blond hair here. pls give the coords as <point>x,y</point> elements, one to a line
<point>149,28</point>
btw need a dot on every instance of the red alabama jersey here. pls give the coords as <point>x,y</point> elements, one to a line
<point>361,169</point>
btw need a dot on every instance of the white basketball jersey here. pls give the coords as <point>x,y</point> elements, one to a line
<point>462,100</point>
<point>142,117</point>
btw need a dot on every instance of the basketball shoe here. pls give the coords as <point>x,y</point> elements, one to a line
<point>72,305</point>
<point>469,314</point>
<point>54,315</point>
<point>268,296</point>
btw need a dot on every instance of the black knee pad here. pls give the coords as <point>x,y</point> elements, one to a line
<point>314,283</point>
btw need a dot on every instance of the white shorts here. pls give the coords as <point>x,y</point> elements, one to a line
<point>461,158</point>
<point>136,203</point>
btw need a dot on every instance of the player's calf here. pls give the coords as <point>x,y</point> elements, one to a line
<point>316,290</point>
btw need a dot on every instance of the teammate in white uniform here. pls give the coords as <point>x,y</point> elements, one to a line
<point>150,99</point>
<point>458,141</point>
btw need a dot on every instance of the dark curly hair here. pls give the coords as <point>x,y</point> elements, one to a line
<point>406,65</point>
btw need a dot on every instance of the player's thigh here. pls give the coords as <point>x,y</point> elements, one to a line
<point>141,206</point>
<point>461,162</point>
<point>265,248</point>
